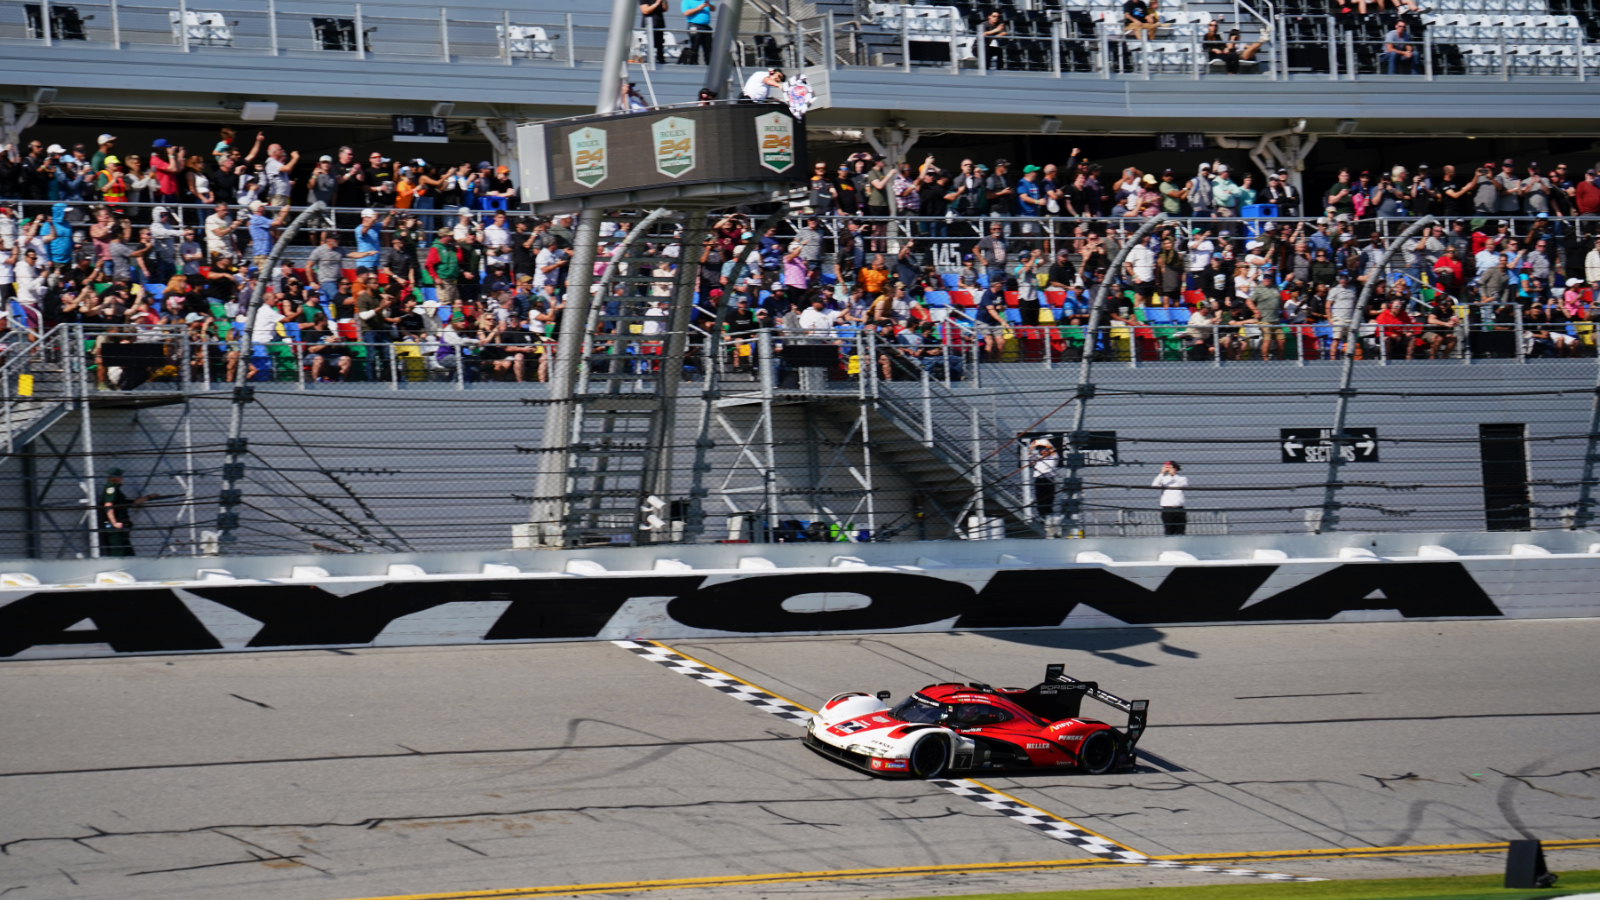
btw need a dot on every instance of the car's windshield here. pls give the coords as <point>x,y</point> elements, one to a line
<point>914,709</point>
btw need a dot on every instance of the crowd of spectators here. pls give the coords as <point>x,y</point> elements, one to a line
<point>939,265</point>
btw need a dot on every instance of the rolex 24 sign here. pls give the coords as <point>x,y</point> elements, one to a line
<point>674,146</point>
<point>775,135</point>
<point>588,148</point>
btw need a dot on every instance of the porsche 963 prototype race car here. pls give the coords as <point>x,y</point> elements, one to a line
<point>953,728</point>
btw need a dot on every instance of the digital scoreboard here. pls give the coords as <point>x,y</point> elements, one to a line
<point>642,151</point>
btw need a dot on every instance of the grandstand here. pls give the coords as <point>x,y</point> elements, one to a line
<point>861,438</point>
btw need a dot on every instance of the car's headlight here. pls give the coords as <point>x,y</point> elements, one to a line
<point>862,749</point>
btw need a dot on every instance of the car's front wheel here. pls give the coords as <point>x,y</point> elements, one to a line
<point>929,756</point>
<point>1098,753</point>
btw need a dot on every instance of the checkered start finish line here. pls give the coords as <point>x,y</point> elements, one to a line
<point>1043,822</point>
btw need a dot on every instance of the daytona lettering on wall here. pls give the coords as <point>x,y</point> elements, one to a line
<point>675,147</point>
<point>171,619</point>
<point>589,157</point>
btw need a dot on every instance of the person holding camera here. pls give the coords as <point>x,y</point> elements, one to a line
<point>698,13</point>
<point>1174,515</point>
<point>1044,463</point>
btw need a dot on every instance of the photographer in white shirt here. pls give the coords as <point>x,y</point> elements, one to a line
<point>1174,517</point>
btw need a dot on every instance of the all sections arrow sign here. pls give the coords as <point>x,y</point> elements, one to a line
<point>1316,445</point>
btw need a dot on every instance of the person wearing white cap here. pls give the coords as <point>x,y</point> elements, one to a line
<point>465,224</point>
<point>107,147</point>
<point>1198,192</point>
<point>1224,193</point>
<point>369,239</point>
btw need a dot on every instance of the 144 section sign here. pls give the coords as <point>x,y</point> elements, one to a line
<point>1315,445</point>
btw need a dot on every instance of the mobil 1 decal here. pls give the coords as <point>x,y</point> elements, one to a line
<point>675,146</point>
<point>165,620</point>
<point>775,137</point>
<point>590,161</point>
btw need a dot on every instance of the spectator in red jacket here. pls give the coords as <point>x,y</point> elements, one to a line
<point>1447,271</point>
<point>166,161</point>
<point>1398,330</point>
<point>1586,196</point>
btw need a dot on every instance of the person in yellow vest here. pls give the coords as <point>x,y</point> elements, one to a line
<point>112,182</point>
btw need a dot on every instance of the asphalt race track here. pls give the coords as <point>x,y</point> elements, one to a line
<point>332,775</point>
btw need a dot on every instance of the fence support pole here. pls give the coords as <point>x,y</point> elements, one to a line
<point>770,476</point>
<point>183,24</point>
<point>927,408</point>
<point>1427,54</point>
<point>46,27</point>
<point>572,45</point>
<point>361,35</point>
<point>272,28</point>
<point>1350,56</point>
<point>1072,485</point>
<point>444,35</point>
<point>829,51</point>
<point>505,36</point>
<point>1333,50</point>
<point>1055,49</point>
<point>1591,455</point>
<point>1330,496</point>
<point>233,469</point>
<point>905,41</point>
<point>116,36</point>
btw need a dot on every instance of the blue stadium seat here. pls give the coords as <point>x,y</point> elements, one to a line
<point>951,282</point>
<point>936,299</point>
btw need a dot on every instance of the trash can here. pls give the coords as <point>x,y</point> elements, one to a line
<point>1254,213</point>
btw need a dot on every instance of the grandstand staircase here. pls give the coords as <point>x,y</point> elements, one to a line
<point>30,409</point>
<point>922,434</point>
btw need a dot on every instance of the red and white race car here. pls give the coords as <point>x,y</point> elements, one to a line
<point>947,729</point>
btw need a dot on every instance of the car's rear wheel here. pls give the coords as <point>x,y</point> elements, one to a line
<point>929,756</point>
<point>1098,753</point>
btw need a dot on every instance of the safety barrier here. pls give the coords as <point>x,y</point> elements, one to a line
<point>167,606</point>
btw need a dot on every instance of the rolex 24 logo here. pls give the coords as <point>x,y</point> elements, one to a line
<point>674,146</point>
<point>589,163</point>
<point>775,137</point>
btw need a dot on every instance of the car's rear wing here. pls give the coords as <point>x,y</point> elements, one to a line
<point>1060,696</point>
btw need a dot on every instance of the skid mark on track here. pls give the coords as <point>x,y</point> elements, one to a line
<point>1047,823</point>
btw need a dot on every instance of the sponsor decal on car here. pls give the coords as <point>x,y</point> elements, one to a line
<point>1037,746</point>
<point>889,765</point>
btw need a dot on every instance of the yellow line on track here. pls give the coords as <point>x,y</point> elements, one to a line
<point>716,881</point>
<point>987,787</point>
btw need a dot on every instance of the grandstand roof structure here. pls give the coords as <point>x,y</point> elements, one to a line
<point>1528,70</point>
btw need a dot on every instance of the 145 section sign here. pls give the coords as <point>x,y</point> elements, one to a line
<point>1315,445</point>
